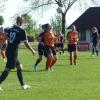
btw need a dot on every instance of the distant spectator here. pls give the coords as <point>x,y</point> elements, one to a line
<point>94,40</point>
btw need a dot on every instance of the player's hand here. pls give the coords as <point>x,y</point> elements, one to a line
<point>33,51</point>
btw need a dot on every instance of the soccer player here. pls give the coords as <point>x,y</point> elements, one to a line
<point>94,40</point>
<point>15,35</point>
<point>41,48</point>
<point>61,42</point>
<point>3,41</point>
<point>72,37</point>
<point>50,40</point>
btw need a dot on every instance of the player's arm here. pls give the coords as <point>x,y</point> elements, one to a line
<point>3,50</point>
<point>67,36</point>
<point>25,40</point>
<point>27,44</point>
<point>77,37</point>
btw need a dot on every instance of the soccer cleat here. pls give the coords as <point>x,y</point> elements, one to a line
<point>93,55</point>
<point>25,86</point>
<point>1,89</point>
<point>51,69</point>
<point>75,63</point>
<point>35,68</point>
<point>70,63</point>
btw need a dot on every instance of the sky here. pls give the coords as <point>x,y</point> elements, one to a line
<point>12,7</point>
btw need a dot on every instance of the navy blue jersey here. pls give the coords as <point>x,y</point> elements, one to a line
<point>95,37</point>
<point>41,35</point>
<point>15,36</point>
<point>41,42</point>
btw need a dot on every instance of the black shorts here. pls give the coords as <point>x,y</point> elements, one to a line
<point>59,45</point>
<point>12,60</point>
<point>72,47</point>
<point>50,50</point>
<point>41,50</point>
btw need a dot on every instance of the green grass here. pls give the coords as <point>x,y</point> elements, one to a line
<point>66,82</point>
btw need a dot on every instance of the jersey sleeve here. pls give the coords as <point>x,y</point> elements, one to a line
<point>23,36</point>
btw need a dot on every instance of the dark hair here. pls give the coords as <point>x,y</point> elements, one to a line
<point>47,25</point>
<point>43,26</point>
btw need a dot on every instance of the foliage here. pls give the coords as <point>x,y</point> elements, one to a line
<point>1,20</point>
<point>65,6</point>
<point>29,24</point>
<point>2,5</point>
<point>56,23</point>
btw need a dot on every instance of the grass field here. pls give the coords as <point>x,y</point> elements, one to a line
<point>66,82</point>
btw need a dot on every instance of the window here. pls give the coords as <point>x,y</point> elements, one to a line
<point>82,35</point>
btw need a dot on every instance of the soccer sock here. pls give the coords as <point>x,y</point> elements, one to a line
<point>75,57</point>
<point>46,66</point>
<point>97,53</point>
<point>70,59</point>
<point>92,51</point>
<point>53,62</point>
<point>49,61</point>
<point>38,61</point>
<point>3,76</point>
<point>20,76</point>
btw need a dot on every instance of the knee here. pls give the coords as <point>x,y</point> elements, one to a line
<point>7,69</point>
<point>19,67</point>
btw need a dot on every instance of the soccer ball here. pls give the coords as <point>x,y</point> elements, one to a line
<point>59,10</point>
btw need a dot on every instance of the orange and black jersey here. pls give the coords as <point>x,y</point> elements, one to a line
<point>49,38</point>
<point>72,37</point>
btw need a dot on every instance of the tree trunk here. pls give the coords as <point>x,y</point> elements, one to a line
<point>63,23</point>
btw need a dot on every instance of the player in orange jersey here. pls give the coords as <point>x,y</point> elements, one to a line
<point>3,42</point>
<point>72,38</point>
<point>50,40</point>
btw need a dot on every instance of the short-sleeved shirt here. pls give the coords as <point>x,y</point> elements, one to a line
<point>49,38</point>
<point>94,37</point>
<point>72,37</point>
<point>15,36</point>
<point>41,42</point>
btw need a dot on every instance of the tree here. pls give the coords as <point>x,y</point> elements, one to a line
<point>56,23</point>
<point>1,20</point>
<point>2,5</point>
<point>64,6</point>
<point>29,23</point>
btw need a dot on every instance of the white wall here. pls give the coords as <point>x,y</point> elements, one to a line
<point>88,36</point>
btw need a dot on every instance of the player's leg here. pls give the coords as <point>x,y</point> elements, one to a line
<point>6,70</point>
<point>75,57</point>
<point>40,53</point>
<point>75,53</point>
<point>20,75</point>
<point>49,57</point>
<point>4,74</point>
<point>96,49</point>
<point>3,52</point>
<point>92,49</point>
<point>3,55</point>
<point>70,47</point>
<point>9,65</point>
<point>54,57</point>
<point>37,62</point>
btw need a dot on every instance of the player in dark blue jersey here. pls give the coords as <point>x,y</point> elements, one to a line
<point>94,40</point>
<point>41,48</point>
<point>15,35</point>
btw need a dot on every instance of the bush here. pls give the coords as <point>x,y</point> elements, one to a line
<point>30,38</point>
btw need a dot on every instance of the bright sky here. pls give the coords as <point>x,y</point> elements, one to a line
<point>12,6</point>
